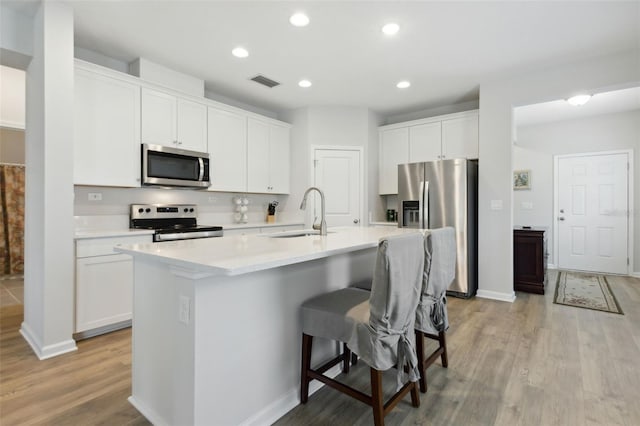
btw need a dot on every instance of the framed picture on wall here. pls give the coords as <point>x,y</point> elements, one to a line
<point>522,179</point>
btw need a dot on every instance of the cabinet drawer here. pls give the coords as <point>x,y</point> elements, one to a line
<point>105,246</point>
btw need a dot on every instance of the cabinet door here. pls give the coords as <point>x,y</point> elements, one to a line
<point>424,142</point>
<point>460,137</point>
<point>257,156</point>
<point>158,118</point>
<point>104,291</point>
<point>394,150</point>
<point>279,159</point>
<point>192,125</point>
<point>227,136</point>
<point>106,131</point>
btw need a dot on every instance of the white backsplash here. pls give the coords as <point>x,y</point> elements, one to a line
<point>214,208</point>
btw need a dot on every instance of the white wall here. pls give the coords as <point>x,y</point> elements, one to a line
<point>432,112</point>
<point>335,126</point>
<point>12,94</point>
<point>16,38</point>
<point>537,145</point>
<point>49,254</point>
<point>497,99</point>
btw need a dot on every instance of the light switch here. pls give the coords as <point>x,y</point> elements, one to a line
<point>526,205</point>
<point>496,204</point>
<point>184,313</point>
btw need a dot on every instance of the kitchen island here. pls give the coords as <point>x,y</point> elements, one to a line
<point>217,326</point>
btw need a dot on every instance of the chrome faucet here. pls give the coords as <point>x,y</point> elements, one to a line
<point>323,223</point>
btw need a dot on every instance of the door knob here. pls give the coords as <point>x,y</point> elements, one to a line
<point>561,210</point>
<point>356,221</point>
<point>561,218</point>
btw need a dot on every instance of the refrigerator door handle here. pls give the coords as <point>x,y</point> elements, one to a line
<point>424,203</point>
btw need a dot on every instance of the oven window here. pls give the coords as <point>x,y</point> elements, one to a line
<point>172,166</point>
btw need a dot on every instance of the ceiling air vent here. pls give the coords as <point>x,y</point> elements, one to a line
<point>265,81</point>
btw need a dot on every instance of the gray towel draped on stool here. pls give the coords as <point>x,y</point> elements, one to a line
<point>377,326</point>
<point>439,272</point>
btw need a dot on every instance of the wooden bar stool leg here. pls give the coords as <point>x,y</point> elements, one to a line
<point>377,402</point>
<point>420,354</point>
<point>346,358</point>
<point>415,396</point>
<point>307,343</point>
<point>443,344</point>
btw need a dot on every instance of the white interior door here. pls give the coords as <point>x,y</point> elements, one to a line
<point>592,213</point>
<point>338,175</point>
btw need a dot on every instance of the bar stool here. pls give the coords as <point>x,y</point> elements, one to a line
<point>432,319</point>
<point>377,325</point>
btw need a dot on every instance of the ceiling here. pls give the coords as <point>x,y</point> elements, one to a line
<point>445,49</point>
<point>560,110</point>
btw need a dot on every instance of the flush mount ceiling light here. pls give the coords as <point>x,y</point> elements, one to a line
<point>304,83</point>
<point>578,100</point>
<point>403,85</point>
<point>240,52</point>
<point>391,28</point>
<point>299,20</point>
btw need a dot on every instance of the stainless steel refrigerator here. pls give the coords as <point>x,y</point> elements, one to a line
<point>444,193</point>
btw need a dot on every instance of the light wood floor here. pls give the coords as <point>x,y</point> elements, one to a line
<point>527,363</point>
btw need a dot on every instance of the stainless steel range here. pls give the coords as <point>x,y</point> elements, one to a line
<point>171,221</point>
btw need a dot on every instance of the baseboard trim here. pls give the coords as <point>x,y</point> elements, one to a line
<point>287,402</point>
<point>496,295</point>
<point>147,412</point>
<point>635,274</point>
<point>551,266</point>
<point>49,351</point>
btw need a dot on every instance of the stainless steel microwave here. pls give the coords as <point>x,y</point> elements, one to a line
<point>166,166</point>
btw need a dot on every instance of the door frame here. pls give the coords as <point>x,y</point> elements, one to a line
<point>312,174</point>
<point>630,205</point>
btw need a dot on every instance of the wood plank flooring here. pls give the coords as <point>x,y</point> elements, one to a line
<point>525,363</point>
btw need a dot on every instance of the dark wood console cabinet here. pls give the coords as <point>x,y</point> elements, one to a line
<point>529,259</point>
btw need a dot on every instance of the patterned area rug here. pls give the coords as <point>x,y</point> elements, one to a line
<point>585,290</point>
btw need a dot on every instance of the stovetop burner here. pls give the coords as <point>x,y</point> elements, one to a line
<point>171,221</point>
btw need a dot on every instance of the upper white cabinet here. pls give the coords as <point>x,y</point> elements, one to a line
<point>430,139</point>
<point>227,142</point>
<point>106,130</point>
<point>460,137</point>
<point>173,121</point>
<point>394,150</point>
<point>425,142</point>
<point>268,157</point>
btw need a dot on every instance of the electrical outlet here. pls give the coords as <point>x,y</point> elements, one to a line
<point>212,199</point>
<point>184,312</point>
<point>95,196</point>
<point>526,205</point>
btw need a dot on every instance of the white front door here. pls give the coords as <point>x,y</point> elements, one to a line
<point>338,175</point>
<point>592,213</point>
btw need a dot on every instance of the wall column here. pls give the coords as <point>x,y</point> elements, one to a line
<point>49,257</point>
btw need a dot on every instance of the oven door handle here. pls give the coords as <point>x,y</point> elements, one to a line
<point>201,163</point>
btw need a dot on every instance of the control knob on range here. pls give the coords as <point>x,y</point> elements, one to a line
<point>191,210</point>
<point>148,210</point>
<point>140,210</point>
<point>186,209</point>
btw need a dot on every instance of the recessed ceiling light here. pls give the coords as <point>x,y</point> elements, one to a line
<point>403,85</point>
<point>578,100</point>
<point>304,83</point>
<point>240,52</point>
<point>299,20</point>
<point>391,28</point>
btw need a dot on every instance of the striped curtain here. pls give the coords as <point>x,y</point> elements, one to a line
<point>11,219</point>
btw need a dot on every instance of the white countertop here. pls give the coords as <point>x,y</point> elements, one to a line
<point>241,254</point>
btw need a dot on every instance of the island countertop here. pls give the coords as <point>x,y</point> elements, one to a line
<point>241,254</point>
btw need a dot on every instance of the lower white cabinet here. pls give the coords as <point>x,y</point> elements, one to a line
<point>104,285</point>
<point>104,291</point>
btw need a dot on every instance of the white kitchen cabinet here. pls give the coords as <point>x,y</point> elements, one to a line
<point>106,130</point>
<point>425,142</point>
<point>227,141</point>
<point>460,137</point>
<point>268,146</point>
<point>104,285</point>
<point>430,139</point>
<point>394,150</point>
<point>104,292</point>
<point>173,121</point>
